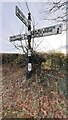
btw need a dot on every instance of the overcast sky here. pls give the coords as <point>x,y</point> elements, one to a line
<point>11,25</point>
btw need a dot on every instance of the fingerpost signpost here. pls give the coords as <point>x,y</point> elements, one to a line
<point>46,31</point>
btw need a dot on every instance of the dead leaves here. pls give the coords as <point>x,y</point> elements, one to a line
<point>25,99</point>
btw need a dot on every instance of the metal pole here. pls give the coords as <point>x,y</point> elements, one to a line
<point>29,46</point>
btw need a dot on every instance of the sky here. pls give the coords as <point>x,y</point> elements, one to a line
<point>11,25</point>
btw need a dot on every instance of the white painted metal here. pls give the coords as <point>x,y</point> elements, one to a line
<point>29,52</point>
<point>52,30</point>
<point>21,16</point>
<point>47,31</point>
<point>29,67</point>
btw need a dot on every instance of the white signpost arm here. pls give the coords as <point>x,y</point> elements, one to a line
<point>47,31</point>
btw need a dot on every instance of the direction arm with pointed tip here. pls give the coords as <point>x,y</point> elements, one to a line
<point>21,16</point>
<point>47,31</point>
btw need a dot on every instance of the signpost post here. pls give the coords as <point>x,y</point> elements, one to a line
<point>29,46</point>
<point>46,31</point>
<point>27,22</point>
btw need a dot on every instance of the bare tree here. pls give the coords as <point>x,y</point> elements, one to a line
<point>22,45</point>
<point>55,11</point>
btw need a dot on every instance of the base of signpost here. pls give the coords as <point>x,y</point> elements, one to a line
<point>29,75</point>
